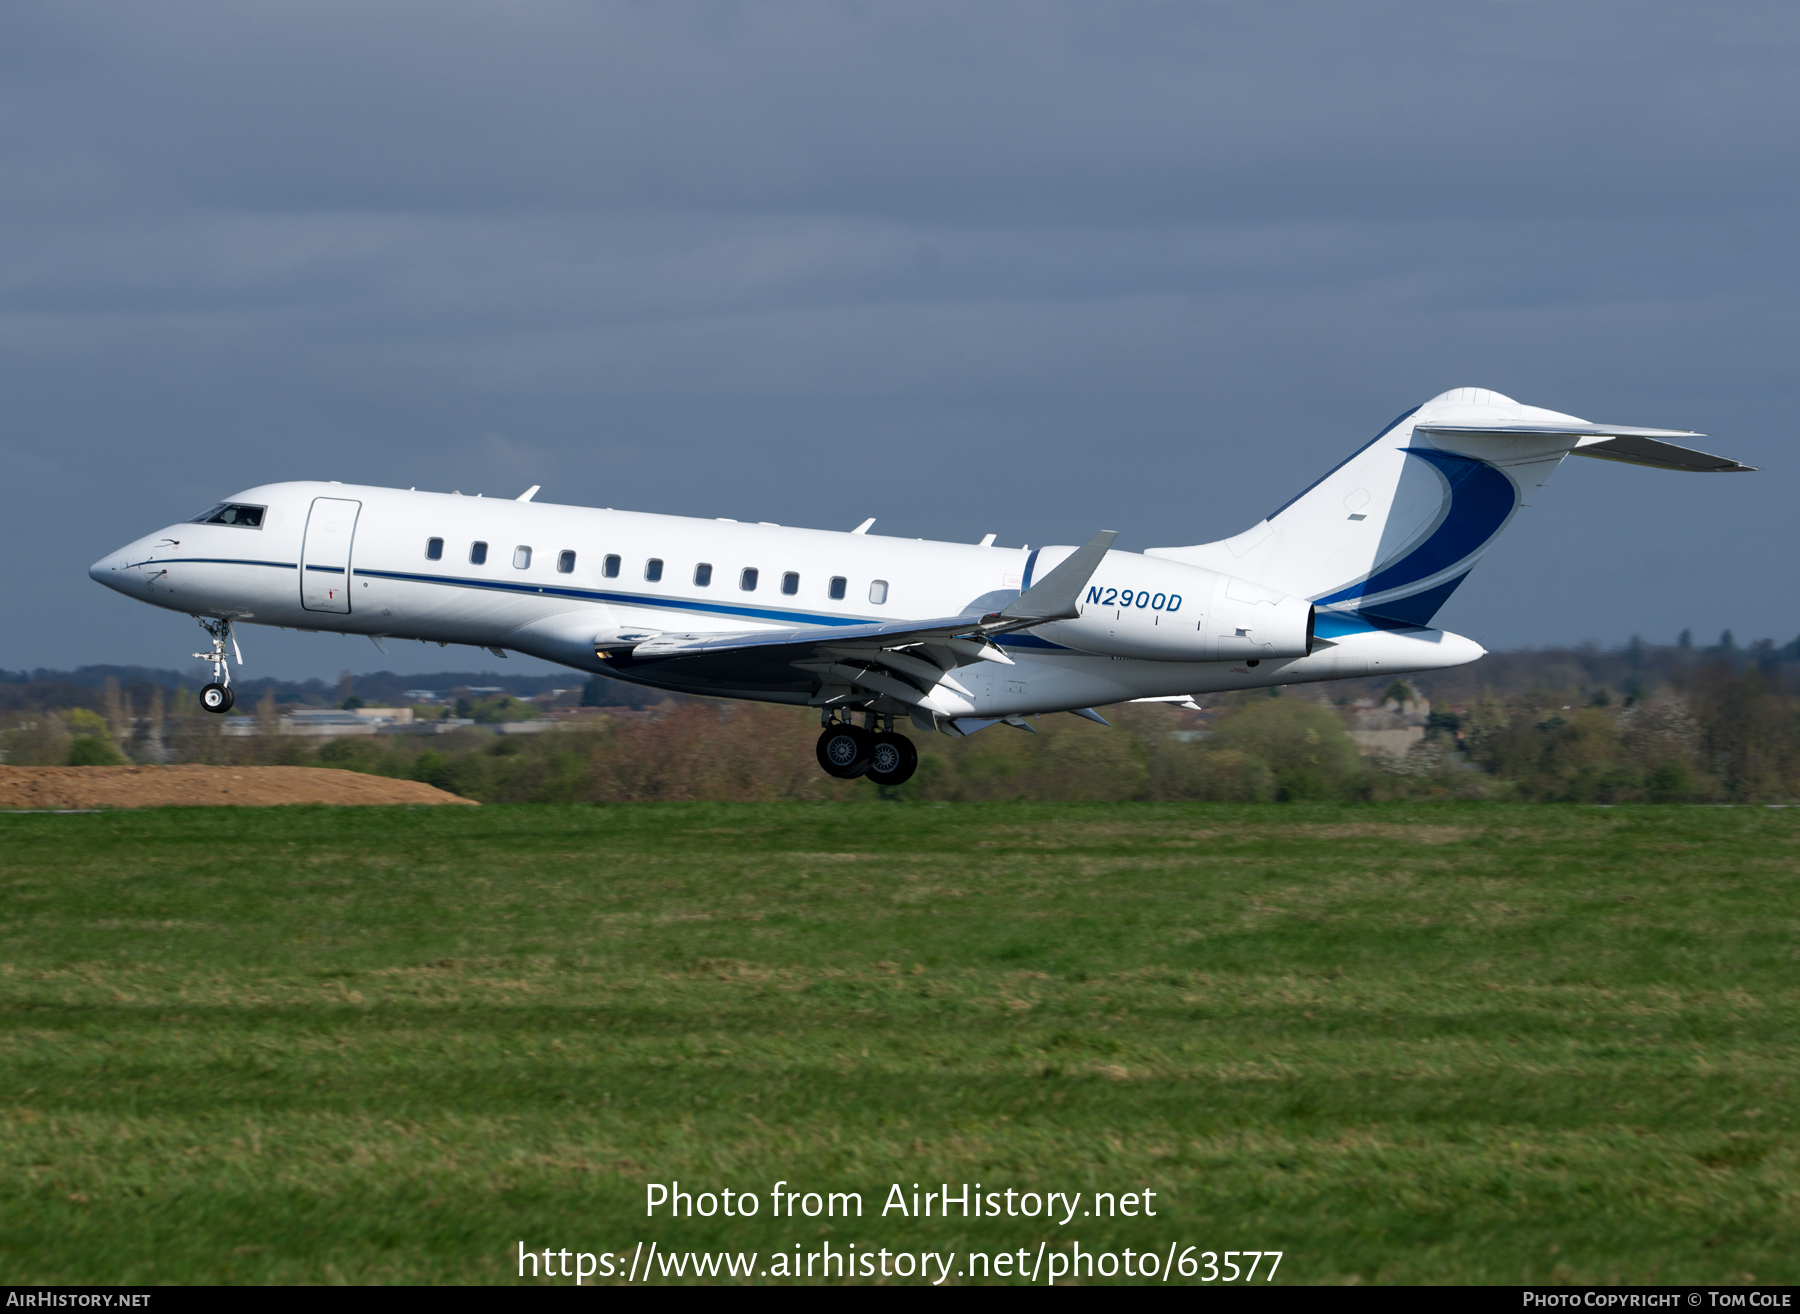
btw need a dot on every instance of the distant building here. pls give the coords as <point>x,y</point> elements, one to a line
<point>1389,729</point>
<point>336,723</point>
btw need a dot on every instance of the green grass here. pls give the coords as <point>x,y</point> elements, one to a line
<point>1417,1043</point>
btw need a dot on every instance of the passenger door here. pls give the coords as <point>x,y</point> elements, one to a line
<point>325,556</point>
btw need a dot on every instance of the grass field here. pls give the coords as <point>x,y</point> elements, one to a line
<point>1421,1043</point>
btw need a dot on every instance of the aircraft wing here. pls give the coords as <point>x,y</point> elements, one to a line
<point>904,659</point>
<point>808,638</point>
<point>1055,597</point>
<point>826,665</point>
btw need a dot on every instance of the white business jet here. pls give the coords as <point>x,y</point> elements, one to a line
<point>1340,582</point>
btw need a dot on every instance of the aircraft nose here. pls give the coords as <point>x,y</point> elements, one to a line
<point>110,570</point>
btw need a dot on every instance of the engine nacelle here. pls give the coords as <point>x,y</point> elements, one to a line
<point>1138,606</point>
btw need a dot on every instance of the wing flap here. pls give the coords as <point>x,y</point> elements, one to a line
<point>815,638</point>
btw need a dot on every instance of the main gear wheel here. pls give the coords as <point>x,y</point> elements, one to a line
<point>893,759</point>
<point>845,751</point>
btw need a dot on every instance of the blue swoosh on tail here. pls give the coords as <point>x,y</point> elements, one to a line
<point>1481,500</point>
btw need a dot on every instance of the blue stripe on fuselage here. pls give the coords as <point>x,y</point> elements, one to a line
<point>630,599</point>
<point>602,595</point>
<point>677,604</point>
<point>209,561</point>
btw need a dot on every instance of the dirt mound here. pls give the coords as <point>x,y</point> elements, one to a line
<point>204,786</point>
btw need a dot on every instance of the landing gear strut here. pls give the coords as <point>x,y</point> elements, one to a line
<point>217,696</point>
<point>848,751</point>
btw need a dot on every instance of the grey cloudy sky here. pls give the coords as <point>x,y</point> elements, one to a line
<point>1027,268</point>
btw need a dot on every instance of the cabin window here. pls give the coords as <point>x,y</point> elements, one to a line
<point>703,575</point>
<point>878,591</point>
<point>434,549</point>
<point>478,554</point>
<point>231,513</point>
<point>521,558</point>
<point>653,569</point>
<point>747,580</point>
<point>565,563</point>
<point>610,568</point>
<point>790,583</point>
<point>837,588</point>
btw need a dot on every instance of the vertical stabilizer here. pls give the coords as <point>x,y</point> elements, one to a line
<point>1392,531</point>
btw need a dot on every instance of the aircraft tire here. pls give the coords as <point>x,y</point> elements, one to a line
<point>845,751</point>
<point>217,698</point>
<point>893,760</point>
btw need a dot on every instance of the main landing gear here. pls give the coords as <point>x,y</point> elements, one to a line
<point>848,751</point>
<point>217,696</point>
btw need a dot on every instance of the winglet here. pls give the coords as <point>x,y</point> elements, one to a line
<point>1056,595</point>
<point>528,494</point>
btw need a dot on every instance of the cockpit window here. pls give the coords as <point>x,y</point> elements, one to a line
<point>231,513</point>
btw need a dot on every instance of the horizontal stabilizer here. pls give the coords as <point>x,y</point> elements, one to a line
<point>1395,529</point>
<point>1630,446</point>
<point>1640,449</point>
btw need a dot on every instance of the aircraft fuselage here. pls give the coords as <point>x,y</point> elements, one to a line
<point>555,581</point>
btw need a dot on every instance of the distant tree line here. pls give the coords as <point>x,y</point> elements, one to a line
<point>1640,723</point>
<point>33,690</point>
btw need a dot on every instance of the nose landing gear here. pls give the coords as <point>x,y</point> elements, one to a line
<point>217,696</point>
<point>848,751</point>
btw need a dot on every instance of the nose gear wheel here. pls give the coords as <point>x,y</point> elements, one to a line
<point>217,696</point>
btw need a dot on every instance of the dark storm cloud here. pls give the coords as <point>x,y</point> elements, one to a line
<point>1126,113</point>
<point>1021,268</point>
